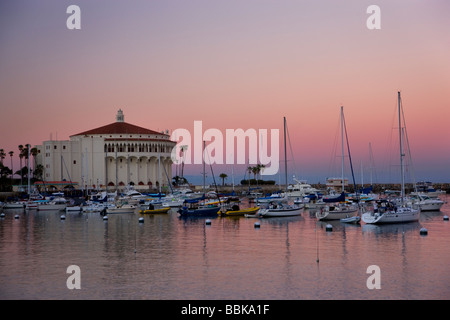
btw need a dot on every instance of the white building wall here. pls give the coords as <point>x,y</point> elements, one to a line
<point>85,160</point>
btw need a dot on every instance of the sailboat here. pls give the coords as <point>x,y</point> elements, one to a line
<point>386,211</point>
<point>341,210</point>
<point>198,207</point>
<point>280,209</point>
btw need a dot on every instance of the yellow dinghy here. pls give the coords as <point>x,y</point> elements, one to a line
<point>158,210</point>
<point>241,212</point>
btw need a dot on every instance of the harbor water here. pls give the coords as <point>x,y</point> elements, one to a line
<point>169,258</point>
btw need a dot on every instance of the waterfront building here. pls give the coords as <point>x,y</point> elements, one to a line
<point>336,184</point>
<point>112,156</point>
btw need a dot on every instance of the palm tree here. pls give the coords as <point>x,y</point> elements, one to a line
<point>11,153</point>
<point>34,152</point>
<point>38,172</point>
<point>20,157</point>
<point>260,168</point>
<point>2,155</point>
<point>223,176</point>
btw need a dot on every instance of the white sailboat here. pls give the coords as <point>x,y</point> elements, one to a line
<point>386,211</point>
<point>280,209</point>
<point>342,209</point>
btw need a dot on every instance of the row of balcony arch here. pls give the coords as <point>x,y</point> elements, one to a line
<point>140,183</point>
<point>137,147</point>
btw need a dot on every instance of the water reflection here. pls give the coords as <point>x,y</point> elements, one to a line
<point>168,257</point>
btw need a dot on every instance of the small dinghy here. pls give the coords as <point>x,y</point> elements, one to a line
<point>355,219</point>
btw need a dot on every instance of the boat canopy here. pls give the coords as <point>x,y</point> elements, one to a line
<point>195,200</point>
<point>339,198</point>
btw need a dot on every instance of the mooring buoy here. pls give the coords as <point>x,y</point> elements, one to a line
<point>445,218</point>
<point>63,217</point>
<point>423,231</point>
<point>257,225</point>
<point>329,228</point>
<point>141,220</point>
<point>208,222</point>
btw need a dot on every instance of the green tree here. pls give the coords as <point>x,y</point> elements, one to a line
<point>223,176</point>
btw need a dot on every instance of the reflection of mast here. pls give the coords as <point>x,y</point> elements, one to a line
<point>159,172</point>
<point>285,156</point>
<point>204,171</point>
<point>183,148</point>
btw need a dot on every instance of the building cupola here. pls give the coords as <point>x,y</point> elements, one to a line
<point>120,117</point>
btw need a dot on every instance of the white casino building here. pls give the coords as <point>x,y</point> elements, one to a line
<point>114,155</point>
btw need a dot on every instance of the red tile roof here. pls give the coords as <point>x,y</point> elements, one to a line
<point>118,128</point>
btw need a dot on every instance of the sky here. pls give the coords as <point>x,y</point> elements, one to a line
<point>236,64</point>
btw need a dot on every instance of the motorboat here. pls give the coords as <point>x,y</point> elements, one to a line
<point>426,203</point>
<point>235,210</point>
<point>425,188</point>
<point>154,208</point>
<point>300,189</point>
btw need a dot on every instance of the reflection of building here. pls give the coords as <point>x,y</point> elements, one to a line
<point>116,155</point>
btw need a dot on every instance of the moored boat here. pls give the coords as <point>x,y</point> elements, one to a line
<point>337,212</point>
<point>233,211</point>
<point>280,210</point>
<point>121,208</point>
<point>388,212</point>
<point>56,204</point>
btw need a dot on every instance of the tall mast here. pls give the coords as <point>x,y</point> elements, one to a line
<point>285,156</point>
<point>28,174</point>
<point>401,148</point>
<point>342,146</point>
<point>204,172</point>
<point>370,162</point>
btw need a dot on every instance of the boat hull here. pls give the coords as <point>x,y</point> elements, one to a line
<point>399,216</point>
<point>51,207</point>
<point>127,209</point>
<point>200,212</point>
<point>336,214</point>
<point>283,212</point>
<point>155,211</point>
<point>242,212</point>
<point>431,206</point>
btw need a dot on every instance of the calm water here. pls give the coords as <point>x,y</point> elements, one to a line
<point>169,258</point>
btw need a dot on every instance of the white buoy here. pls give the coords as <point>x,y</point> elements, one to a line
<point>423,231</point>
<point>16,216</point>
<point>63,217</point>
<point>329,228</point>
<point>141,220</point>
<point>208,222</point>
<point>2,215</point>
<point>445,218</point>
<point>105,218</point>
<point>257,225</point>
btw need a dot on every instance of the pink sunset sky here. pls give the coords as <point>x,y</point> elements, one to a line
<point>235,64</point>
